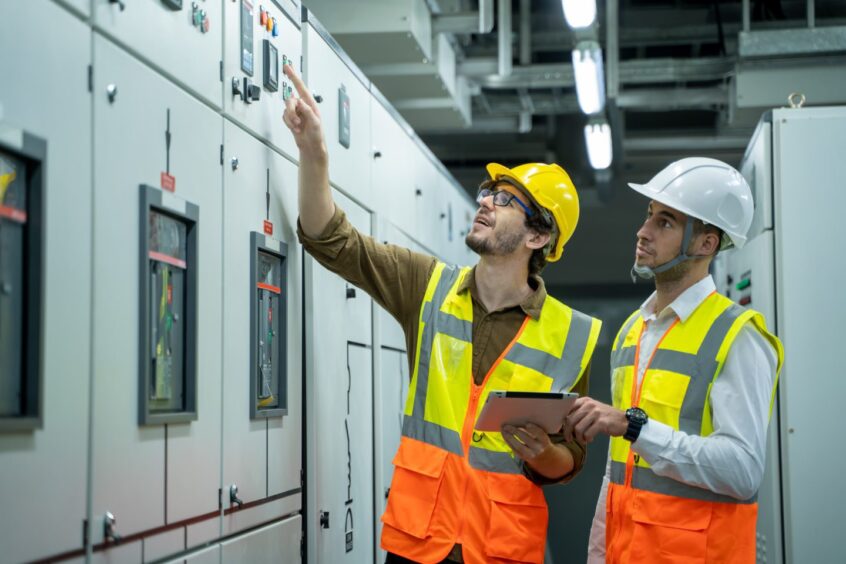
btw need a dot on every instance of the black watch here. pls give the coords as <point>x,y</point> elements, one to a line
<point>637,419</point>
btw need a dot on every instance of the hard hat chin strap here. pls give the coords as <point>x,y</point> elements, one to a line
<point>649,273</point>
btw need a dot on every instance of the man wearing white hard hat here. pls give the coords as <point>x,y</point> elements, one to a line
<point>693,376</point>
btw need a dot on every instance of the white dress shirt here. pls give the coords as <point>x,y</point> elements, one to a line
<point>730,461</point>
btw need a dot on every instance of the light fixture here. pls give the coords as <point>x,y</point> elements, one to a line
<point>579,13</point>
<point>598,141</point>
<point>590,76</point>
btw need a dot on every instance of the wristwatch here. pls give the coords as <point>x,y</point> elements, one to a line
<point>637,419</point>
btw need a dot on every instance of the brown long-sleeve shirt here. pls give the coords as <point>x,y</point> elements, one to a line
<point>397,278</point>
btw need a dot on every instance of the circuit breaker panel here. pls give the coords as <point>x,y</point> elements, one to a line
<point>21,233</point>
<point>268,328</point>
<point>168,290</point>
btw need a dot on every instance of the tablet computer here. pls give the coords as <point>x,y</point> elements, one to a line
<point>547,410</point>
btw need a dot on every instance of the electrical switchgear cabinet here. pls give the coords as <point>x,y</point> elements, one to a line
<point>21,282</point>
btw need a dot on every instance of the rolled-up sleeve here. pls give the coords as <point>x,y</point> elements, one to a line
<point>396,277</point>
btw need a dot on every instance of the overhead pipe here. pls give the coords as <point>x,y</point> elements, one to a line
<point>612,49</point>
<point>504,36</point>
<point>525,32</point>
<point>747,16</point>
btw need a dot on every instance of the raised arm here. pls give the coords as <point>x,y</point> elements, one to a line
<point>302,117</point>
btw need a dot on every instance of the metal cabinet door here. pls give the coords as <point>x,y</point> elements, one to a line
<point>748,277</point>
<point>263,456</point>
<point>344,457</point>
<point>32,65</point>
<point>809,198</point>
<point>150,475</point>
<point>340,405</point>
<point>278,543</point>
<point>757,168</point>
<point>83,7</point>
<point>169,41</point>
<point>392,390</point>
<point>341,90</point>
<point>263,116</point>
<point>393,170</point>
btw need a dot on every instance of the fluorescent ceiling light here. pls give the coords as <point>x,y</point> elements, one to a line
<point>579,13</point>
<point>598,141</point>
<point>590,77</point>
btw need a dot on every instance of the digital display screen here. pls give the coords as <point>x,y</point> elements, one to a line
<point>247,37</point>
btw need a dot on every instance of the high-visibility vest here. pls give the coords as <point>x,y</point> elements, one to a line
<point>452,484</point>
<point>652,518</point>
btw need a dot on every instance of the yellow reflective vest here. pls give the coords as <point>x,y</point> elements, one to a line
<point>650,517</point>
<point>452,484</point>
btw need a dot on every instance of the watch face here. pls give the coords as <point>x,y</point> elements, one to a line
<point>636,415</point>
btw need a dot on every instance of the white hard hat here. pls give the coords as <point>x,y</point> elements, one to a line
<point>707,189</point>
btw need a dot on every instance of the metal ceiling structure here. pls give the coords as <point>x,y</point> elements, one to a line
<point>493,81</point>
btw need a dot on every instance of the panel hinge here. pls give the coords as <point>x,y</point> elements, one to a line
<point>302,545</point>
<point>221,154</point>
<point>219,498</point>
<point>221,70</point>
<point>302,477</point>
<point>91,78</point>
<point>85,533</point>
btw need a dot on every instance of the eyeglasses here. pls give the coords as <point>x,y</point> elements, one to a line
<point>502,198</point>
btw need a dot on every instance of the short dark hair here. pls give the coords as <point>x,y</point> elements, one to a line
<point>700,227</point>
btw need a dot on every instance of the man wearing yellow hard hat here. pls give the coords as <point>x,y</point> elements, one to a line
<point>459,495</point>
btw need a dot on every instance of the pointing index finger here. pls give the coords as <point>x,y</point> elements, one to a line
<point>302,90</point>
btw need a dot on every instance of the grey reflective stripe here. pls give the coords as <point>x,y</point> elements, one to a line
<point>433,434</point>
<point>574,351</point>
<point>447,324</point>
<point>627,326</point>
<point>664,359</point>
<point>693,406</point>
<point>622,357</point>
<point>449,274</point>
<point>565,370</point>
<point>493,461</point>
<point>618,472</point>
<point>647,480</point>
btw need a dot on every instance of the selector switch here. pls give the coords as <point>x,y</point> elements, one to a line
<point>251,91</point>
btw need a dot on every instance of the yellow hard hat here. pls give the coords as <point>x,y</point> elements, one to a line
<point>551,188</point>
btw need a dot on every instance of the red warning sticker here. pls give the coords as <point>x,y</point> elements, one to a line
<point>268,228</point>
<point>168,182</point>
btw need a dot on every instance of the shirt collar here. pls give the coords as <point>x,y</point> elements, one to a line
<point>684,305</point>
<point>531,306</point>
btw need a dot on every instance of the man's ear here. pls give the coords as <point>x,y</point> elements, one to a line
<point>537,240</point>
<point>709,244</point>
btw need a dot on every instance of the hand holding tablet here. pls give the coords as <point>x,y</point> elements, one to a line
<point>547,410</point>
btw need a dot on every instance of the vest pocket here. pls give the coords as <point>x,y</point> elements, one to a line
<point>418,474</point>
<point>669,529</point>
<point>518,519</point>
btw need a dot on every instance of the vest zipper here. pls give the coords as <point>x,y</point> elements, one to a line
<point>470,416</point>
<point>638,388</point>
